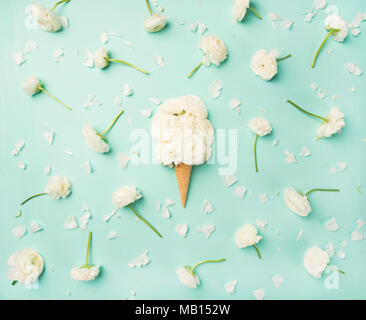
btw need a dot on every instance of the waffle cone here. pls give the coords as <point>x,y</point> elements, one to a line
<point>183,173</point>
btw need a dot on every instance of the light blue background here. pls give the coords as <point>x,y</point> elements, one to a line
<point>23,118</point>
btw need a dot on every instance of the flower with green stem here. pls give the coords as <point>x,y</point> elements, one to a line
<point>57,187</point>
<point>86,272</point>
<point>332,123</point>
<point>102,60</point>
<point>215,52</point>
<point>155,22</point>
<point>240,9</point>
<point>187,275</point>
<point>97,141</point>
<point>316,260</point>
<point>337,29</point>
<point>264,64</point>
<point>299,203</point>
<point>248,236</point>
<point>46,18</point>
<point>127,195</point>
<point>32,85</point>
<point>261,127</point>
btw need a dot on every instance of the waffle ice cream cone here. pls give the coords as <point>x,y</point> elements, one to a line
<point>183,173</point>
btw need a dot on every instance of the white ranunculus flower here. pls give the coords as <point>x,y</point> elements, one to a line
<point>247,236</point>
<point>125,196</point>
<point>239,9</point>
<point>46,18</point>
<point>315,261</point>
<point>26,266</point>
<point>93,139</point>
<point>260,126</point>
<point>155,23</point>
<point>297,203</point>
<point>264,64</point>
<point>188,278</point>
<point>334,124</point>
<point>58,187</point>
<point>85,273</point>
<point>101,58</point>
<point>335,22</point>
<point>183,132</point>
<point>31,85</point>
<point>214,49</point>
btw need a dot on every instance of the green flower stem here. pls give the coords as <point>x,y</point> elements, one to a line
<point>335,269</point>
<point>53,97</point>
<point>284,58</point>
<point>205,261</point>
<point>321,46</point>
<point>256,13</point>
<point>256,248</point>
<point>56,4</point>
<point>34,196</point>
<point>194,70</point>
<point>148,7</point>
<point>87,251</point>
<point>307,112</point>
<point>147,223</point>
<point>112,124</point>
<point>129,64</point>
<point>255,153</point>
<point>312,190</point>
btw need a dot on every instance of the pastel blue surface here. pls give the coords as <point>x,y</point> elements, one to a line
<point>24,118</point>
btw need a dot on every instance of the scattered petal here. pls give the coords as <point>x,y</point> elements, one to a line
<point>182,229</point>
<point>34,227</point>
<point>127,91</point>
<point>19,231</point>
<point>356,236</point>
<point>49,135</point>
<point>231,286</point>
<point>207,206</point>
<point>112,235</point>
<point>229,180</point>
<point>304,152</point>
<point>140,261</point>
<point>166,213</point>
<point>206,229</point>
<point>70,223</point>
<point>240,191</point>
<point>146,113</point>
<point>259,294</point>
<point>331,225</point>
<point>215,89</point>
<point>19,57</point>
<point>277,281</point>
<point>123,159</point>
<point>58,55</point>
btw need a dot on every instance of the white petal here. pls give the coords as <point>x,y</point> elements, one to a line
<point>240,191</point>
<point>70,223</point>
<point>140,261</point>
<point>331,225</point>
<point>87,167</point>
<point>206,229</point>
<point>277,281</point>
<point>49,135</point>
<point>146,112</point>
<point>123,159</point>
<point>34,227</point>
<point>19,231</point>
<point>166,213</point>
<point>112,235</point>
<point>259,294</point>
<point>356,236</point>
<point>19,58</point>
<point>182,229</point>
<point>127,91</point>
<point>215,89</point>
<point>231,286</point>
<point>229,180</point>
<point>169,202</point>
<point>207,206</point>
